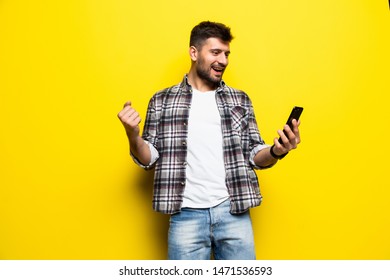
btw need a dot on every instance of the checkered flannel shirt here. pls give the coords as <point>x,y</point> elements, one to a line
<point>166,129</point>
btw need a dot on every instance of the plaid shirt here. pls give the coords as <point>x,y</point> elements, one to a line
<point>166,129</point>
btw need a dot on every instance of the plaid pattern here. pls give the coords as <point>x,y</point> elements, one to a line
<point>166,129</point>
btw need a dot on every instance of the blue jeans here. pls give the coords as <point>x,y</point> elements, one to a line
<point>194,234</point>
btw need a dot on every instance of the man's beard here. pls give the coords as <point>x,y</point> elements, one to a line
<point>205,74</point>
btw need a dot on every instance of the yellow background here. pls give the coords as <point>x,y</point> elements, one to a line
<point>68,189</point>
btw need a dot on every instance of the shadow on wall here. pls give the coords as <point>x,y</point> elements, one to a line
<point>157,223</point>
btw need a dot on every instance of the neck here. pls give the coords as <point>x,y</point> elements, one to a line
<point>195,81</point>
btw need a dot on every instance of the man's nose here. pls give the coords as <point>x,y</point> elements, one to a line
<point>222,59</point>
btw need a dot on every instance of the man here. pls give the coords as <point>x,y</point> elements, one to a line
<point>202,139</point>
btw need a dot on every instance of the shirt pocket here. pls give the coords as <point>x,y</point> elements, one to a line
<point>239,118</point>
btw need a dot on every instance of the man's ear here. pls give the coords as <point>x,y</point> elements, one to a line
<point>193,53</point>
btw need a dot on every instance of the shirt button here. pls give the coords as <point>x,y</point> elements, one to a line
<point>184,143</point>
<point>182,183</point>
<point>184,163</point>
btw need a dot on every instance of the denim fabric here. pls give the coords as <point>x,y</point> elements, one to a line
<point>196,234</point>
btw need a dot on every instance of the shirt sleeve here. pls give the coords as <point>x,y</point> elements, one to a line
<point>154,157</point>
<point>257,142</point>
<point>253,153</point>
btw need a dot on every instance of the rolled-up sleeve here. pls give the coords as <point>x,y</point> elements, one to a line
<point>256,141</point>
<point>253,153</point>
<point>154,157</point>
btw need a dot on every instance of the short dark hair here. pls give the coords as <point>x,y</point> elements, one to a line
<point>207,29</point>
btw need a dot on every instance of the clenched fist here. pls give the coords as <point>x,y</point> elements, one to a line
<point>130,119</point>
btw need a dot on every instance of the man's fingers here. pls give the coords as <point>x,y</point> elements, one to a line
<point>290,139</point>
<point>283,136</point>
<point>130,117</point>
<point>136,120</point>
<point>279,149</point>
<point>296,131</point>
<point>290,135</point>
<point>126,112</point>
<point>128,103</point>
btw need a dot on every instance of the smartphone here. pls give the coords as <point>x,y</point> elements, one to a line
<point>295,114</point>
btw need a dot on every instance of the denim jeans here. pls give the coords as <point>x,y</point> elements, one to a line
<point>195,234</point>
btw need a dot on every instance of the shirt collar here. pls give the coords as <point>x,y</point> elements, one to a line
<point>186,87</point>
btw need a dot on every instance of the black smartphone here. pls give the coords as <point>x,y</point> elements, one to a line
<point>295,114</point>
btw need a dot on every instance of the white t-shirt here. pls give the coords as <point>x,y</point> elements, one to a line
<point>205,171</point>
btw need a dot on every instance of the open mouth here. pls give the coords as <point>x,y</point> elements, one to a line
<point>218,69</point>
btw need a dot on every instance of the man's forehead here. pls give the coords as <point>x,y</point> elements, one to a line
<point>216,43</point>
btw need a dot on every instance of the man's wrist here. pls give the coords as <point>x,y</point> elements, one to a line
<point>271,150</point>
<point>132,135</point>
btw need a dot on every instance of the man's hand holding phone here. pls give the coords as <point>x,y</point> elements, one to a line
<point>289,137</point>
